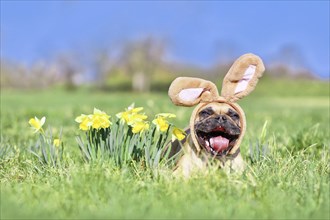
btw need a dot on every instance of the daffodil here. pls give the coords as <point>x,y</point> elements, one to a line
<point>161,123</point>
<point>85,122</point>
<point>56,142</point>
<point>134,118</point>
<point>131,116</point>
<point>37,124</point>
<point>140,127</point>
<point>100,119</point>
<point>178,133</point>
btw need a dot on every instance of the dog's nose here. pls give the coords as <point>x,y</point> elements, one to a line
<point>221,118</point>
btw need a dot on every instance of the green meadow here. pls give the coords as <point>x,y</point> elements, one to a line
<point>286,148</point>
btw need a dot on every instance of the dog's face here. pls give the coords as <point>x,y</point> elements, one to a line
<point>217,128</point>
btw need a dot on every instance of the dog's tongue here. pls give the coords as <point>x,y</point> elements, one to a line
<point>219,143</point>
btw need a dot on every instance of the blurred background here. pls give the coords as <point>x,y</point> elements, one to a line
<point>143,45</point>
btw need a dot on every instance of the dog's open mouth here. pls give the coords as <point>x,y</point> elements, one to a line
<point>218,141</point>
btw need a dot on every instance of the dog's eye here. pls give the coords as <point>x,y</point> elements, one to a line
<point>233,115</point>
<point>206,113</point>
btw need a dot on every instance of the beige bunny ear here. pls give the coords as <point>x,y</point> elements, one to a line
<point>242,77</point>
<point>188,91</point>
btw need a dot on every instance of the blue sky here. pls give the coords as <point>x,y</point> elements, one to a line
<point>198,32</point>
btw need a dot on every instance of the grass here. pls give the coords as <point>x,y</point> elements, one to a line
<point>287,175</point>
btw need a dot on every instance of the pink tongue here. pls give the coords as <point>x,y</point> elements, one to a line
<point>219,143</point>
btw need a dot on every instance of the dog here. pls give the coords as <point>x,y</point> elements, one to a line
<point>218,123</point>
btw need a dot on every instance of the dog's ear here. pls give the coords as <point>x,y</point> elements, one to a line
<point>242,77</point>
<point>188,91</point>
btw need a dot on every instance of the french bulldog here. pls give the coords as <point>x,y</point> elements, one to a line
<point>217,124</point>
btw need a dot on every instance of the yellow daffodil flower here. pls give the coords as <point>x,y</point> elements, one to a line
<point>37,124</point>
<point>85,122</point>
<point>97,120</point>
<point>100,119</point>
<point>178,133</point>
<point>140,127</point>
<point>122,116</point>
<point>56,142</point>
<point>134,118</point>
<point>134,110</point>
<point>130,116</point>
<point>161,123</point>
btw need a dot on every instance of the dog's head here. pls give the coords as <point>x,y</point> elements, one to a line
<point>217,128</point>
<point>218,124</point>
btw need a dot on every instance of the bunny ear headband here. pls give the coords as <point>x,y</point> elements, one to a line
<point>240,80</point>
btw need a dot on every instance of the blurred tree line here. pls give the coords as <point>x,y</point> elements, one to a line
<point>139,66</point>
